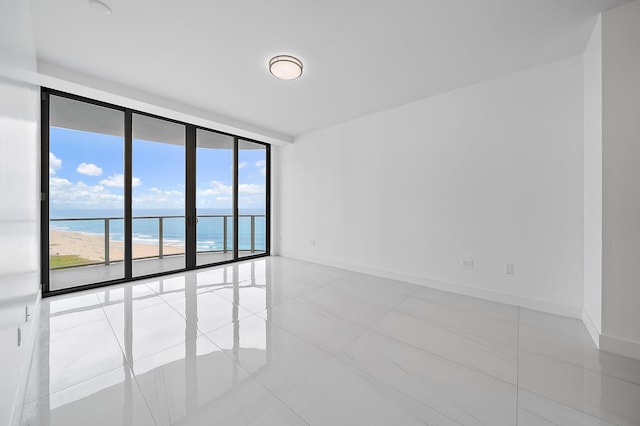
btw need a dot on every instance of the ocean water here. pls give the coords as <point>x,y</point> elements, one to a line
<point>210,230</point>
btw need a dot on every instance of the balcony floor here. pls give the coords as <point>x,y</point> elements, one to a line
<point>60,279</point>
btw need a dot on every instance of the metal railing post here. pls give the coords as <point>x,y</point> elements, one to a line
<point>160,237</point>
<point>224,220</point>
<point>225,238</point>
<point>106,241</point>
<point>253,233</point>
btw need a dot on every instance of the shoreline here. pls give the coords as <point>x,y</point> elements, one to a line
<point>91,247</point>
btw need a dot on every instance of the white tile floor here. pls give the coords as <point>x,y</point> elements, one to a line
<point>277,341</point>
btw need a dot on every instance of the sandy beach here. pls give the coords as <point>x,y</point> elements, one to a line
<point>91,247</point>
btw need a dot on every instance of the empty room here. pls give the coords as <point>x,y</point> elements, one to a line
<point>412,212</point>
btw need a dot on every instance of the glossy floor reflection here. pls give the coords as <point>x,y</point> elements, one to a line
<point>277,341</point>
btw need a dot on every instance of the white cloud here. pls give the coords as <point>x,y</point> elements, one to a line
<point>159,198</point>
<point>251,195</point>
<point>262,166</point>
<point>166,193</point>
<point>242,165</point>
<point>89,169</point>
<point>54,163</point>
<point>217,188</point>
<point>68,195</point>
<point>251,188</point>
<point>65,194</point>
<point>56,182</point>
<point>117,181</point>
<point>220,195</point>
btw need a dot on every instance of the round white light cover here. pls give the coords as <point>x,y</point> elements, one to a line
<point>285,67</point>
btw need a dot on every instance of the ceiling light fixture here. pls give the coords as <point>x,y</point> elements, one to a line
<point>100,7</point>
<point>285,67</point>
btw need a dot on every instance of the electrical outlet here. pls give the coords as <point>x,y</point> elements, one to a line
<point>508,269</point>
<point>467,263</point>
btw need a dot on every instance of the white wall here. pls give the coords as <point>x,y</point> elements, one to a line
<point>19,188</point>
<point>275,196</point>
<point>593,184</point>
<point>621,180</point>
<point>491,172</point>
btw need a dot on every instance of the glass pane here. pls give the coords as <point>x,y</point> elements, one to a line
<point>214,197</point>
<point>158,195</point>
<point>252,182</point>
<point>86,193</point>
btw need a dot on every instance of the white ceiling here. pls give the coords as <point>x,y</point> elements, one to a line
<point>360,56</point>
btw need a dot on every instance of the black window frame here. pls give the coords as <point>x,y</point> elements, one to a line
<point>190,195</point>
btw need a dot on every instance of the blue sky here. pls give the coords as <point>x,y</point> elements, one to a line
<point>86,172</point>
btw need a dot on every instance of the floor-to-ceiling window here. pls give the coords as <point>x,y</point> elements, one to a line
<point>252,198</point>
<point>128,194</point>
<point>85,193</point>
<point>158,195</point>
<point>214,196</point>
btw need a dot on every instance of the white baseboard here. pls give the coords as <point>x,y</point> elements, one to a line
<point>509,299</point>
<point>620,346</point>
<point>592,327</point>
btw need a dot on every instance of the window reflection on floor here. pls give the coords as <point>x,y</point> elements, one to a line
<point>152,337</point>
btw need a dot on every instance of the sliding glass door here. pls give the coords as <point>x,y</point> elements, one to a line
<point>129,195</point>
<point>85,169</point>
<point>214,197</point>
<point>158,200</point>
<point>252,201</point>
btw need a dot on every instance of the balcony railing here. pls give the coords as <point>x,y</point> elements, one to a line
<point>161,234</point>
